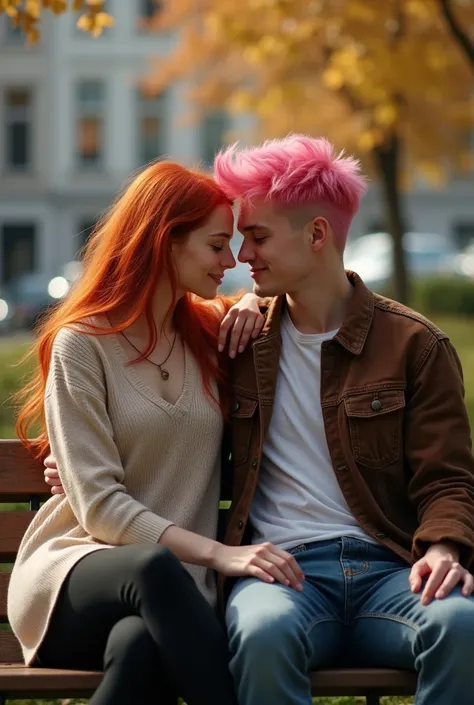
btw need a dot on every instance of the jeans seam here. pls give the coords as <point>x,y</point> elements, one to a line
<point>391,617</point>
<point>320,620</point>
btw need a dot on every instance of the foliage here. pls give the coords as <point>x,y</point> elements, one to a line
<point>355,70</point>
<point>446,296</point>
<point>27,14</point>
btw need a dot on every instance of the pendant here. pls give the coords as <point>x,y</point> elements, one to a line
<point>164,374</point>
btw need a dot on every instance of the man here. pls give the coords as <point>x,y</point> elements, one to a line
<point>351,451</point>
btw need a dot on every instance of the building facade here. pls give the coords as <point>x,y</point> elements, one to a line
<point>75,126</point>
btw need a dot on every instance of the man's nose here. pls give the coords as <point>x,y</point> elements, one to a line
<point>245,253</point>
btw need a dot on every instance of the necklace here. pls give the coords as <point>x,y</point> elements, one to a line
<point>164,373</point>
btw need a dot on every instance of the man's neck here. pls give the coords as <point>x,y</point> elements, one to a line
<point>320,308</point>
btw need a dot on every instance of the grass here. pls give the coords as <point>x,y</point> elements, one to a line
<point>12,376</point>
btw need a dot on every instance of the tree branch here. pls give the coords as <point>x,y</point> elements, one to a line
<point>461,37</point>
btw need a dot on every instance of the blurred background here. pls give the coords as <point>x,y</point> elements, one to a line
<point>80,113</point>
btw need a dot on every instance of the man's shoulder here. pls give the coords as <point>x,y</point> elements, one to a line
<point>406,319</point>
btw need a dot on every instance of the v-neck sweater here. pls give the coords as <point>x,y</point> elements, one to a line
<point>131,464</point>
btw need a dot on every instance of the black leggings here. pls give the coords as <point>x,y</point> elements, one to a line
<point>136,613</point>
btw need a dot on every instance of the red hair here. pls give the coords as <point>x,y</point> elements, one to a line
<point>124,259</point>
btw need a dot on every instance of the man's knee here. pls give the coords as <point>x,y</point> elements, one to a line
<point>130,647</point>
<point>452,621</point>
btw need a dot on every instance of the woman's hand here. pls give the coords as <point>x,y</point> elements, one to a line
<point>244,321</point>
<point>264,561</point>
<point>51,476</point>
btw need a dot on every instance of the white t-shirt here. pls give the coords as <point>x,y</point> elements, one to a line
<point>298,499</point>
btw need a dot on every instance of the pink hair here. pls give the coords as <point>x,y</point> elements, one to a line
<point>293,172</point>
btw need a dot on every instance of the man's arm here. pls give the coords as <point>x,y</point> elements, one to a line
<point>438,449</point>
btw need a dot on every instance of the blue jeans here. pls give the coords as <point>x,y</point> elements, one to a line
<point>356,608</point>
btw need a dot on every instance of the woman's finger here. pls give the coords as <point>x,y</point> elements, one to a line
<point>246,331</point>
<point>226,325</point>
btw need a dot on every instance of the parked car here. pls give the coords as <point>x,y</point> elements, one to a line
<point>427,254</point>
<point>30,299</point>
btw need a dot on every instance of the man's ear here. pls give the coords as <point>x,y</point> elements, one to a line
<point>316,232</point>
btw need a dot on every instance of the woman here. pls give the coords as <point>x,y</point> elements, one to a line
<point>127,394</point>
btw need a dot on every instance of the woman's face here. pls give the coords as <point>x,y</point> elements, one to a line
<point>202,258</point>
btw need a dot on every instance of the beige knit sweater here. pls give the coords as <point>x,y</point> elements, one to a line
<point>131,464</point>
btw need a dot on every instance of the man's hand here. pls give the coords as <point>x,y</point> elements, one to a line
<point>51,476</point>
<point>440,563</point>
<point>244,320</point>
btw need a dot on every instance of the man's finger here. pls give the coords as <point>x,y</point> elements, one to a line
<point>51,474</point>
<point>434,581</point>
<point>468,587</point>
<point>451,580</point>
<point>224,329</point>
<point>49,462</point>
<point>418,571</point>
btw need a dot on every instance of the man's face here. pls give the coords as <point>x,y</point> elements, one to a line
<point>278,252</point>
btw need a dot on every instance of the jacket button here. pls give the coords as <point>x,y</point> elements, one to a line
<point>240,525</point>
<point>254,463</point>
<point>235,406</point>
<point>376,405</point>
<point>380,536</point>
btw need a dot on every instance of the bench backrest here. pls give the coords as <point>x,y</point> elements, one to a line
<point>21,482</point>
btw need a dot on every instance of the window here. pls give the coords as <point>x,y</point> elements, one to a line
<point>148,8</point>
<point>214,127</point>
<point>151,127</point>
<point>12,34</point>
<point>18,123</point>
<point>18,241</point>
<point>90,104</point>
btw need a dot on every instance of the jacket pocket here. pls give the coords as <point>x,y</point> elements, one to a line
<point>375,421</point>
<point>242,414</point>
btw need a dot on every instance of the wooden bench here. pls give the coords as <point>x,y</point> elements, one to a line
<point>21,480</point>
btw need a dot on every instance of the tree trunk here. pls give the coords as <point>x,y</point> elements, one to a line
<point>387,163</point>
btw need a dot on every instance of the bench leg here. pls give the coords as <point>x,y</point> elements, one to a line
<point>370,699</point>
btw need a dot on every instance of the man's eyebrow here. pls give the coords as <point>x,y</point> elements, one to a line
<point>255,226</point>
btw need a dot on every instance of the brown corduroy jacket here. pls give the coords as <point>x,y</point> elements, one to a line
<point>397,427</point>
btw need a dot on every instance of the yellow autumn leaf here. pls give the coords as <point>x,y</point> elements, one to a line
<point>333,78</point>
<point>77,5</point>
<point>385,114</point>
<point>104,20</point>
<point>84,23</point>
<point>58,6</point>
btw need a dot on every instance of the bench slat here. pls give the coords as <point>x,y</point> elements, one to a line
<point>20,474</point>
<point>12,527</point>
<point>336,682</point>
<point>4,581</point>
<point>47,682</point>
<point>10,649</point>
<point>360,681</point>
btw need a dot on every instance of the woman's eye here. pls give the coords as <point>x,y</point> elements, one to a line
<point>217,248</point>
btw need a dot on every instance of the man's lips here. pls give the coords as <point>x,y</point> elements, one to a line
<point>255,272</point>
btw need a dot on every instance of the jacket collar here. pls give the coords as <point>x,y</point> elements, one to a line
<point>355,326</point>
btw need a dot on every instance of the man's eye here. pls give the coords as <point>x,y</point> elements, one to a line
<point>259,240</point>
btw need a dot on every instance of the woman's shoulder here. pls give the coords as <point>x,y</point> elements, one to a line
<point>77,340</point>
